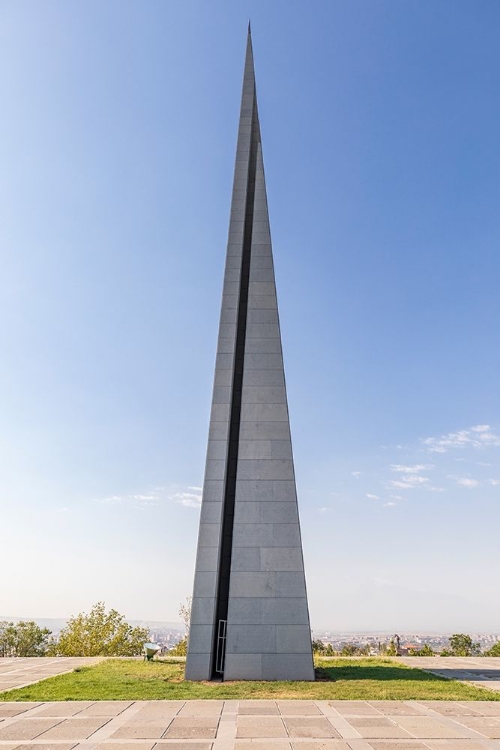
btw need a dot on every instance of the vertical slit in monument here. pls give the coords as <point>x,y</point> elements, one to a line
<point>235,415</point>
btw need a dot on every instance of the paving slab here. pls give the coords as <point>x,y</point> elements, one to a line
<point>456,745</point>
<point>481,671</point>
<point>63,708</point>
<point>26,729</point>
<point>14,709</point>
<point>251,727</point>
<point>22,671</point>
<point>298,708</point>
<point>192,727</point>
<point>143,729</point>
<point>312,728</point>
<point>485,725</point>
<point>106,708</point>
<point>379,728</point>
<point>395,708</point>
<point>355,708</point>
<point>73,728</point>
<point>255,725</point>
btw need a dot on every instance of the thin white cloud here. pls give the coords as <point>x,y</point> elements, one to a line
<point>187,499</point>
<point>356,474</point>
<point>415,469</point>
<point>396,497</point>
<point>466,482</point>
<point>372,497</point>
<point>390,504</point>
<point>408,482</point>
<point>479,436</point>
<point>138,500</point>
<point>323,509</point>
<point>197,489</point>
<point>494,482</point>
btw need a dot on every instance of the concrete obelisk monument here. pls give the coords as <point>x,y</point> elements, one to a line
<point>250,619</point>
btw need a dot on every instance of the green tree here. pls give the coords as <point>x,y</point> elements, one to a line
<point>348,649</point>
<point>462,645</point>
<point>180,649</point>
<point>185,615</point>
<point>424,651</point>
<point>5,637</point>
<point>494,650</point>
<point>391,649</point>
<point>318,647</point>
<point>24,638</point>
<point>100,633</point>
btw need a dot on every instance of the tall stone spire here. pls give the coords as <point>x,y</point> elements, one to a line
<point>249,617</point>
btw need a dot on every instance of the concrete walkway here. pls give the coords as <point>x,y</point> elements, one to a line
<point>481,671</point>
<point>254,725</point>
<point>19,672</point>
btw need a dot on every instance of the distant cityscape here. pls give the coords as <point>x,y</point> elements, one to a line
<point>168,634</point>
<point>378,642</point>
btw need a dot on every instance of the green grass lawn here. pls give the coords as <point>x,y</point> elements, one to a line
<point>344,679</point>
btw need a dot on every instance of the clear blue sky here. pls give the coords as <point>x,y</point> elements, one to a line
<point>117,138</point>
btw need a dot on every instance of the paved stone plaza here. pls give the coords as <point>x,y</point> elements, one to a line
<point>482,671</point>
<point>256,725</point>
<point>19,672</point>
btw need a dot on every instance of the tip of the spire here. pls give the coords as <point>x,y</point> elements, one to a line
<point>249,27</point>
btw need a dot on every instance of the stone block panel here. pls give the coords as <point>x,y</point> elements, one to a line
<point>253,585</point>
<point>200,639</point>
<point>251,639</point>
<point>222,393</point>
<point>207,559</point>
<point>213,491</point>
<point>273,468</point>
<point>268,611</point>
<point>265,430</point>
<point>285,611</point>
<point>264,413</point>
<point>263,316</point>
<point>265,449</point>
<point>215,470</point>
<point>211,512</point>
<point>209,535</point>
<point>243,667</point>
<point>283,667</point>
<point>198,667</point>
<point>263,394</point>
<point>205,585</point>
<point>281,559</point>
<point>253,535</point>
<point>217,450</point>
<point>265,491</point>
<point>264,346</point>
<point>269,512</point>
<point>246,559</point>
<point>262,301</point>
<point>293,639</point>
<point>263,361</point>
<point>203,611</point>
